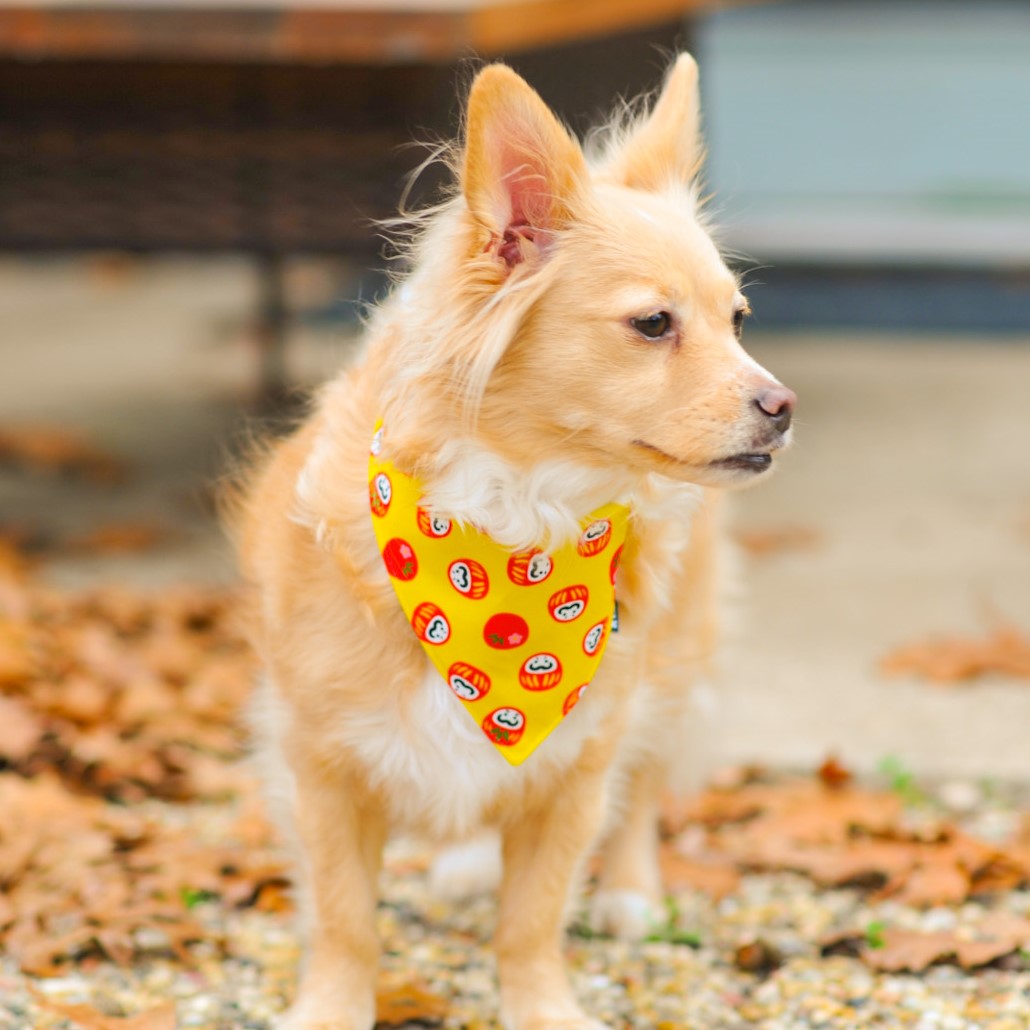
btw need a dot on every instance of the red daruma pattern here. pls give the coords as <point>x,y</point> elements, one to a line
<point>573,699</point>
<point>614,567</point>
<point>468,682</point>
<point>505,726</point>
<point>380,494</point>
<point>595,538</point>
<point>400,558</point>
<point>505,631</point>
<point>469,578</point>
<point>568,604</point>
<point>594,637</point>
<point>432,525</point>
<point>540,672</point>
<point>430,624</point>
<point>529,568</point>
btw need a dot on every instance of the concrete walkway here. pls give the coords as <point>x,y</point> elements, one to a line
<point>912,464</point>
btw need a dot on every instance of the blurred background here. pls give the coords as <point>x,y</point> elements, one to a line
<point>188,195</point>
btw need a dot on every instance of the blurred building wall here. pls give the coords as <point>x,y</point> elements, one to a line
<point>871,131</point>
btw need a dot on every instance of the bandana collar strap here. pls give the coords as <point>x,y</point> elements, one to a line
<point>517,636</point>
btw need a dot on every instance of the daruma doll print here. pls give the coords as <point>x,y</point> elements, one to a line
<point>517,637</point>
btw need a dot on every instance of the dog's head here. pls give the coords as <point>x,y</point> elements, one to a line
<point>626,345</point>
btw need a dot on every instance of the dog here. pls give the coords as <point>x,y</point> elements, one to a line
<point>567,339</point>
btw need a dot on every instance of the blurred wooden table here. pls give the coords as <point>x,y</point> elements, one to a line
<point>269,127</point>
<point>361,31</point>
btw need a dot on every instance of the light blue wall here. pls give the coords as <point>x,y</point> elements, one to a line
<point>871,129</point>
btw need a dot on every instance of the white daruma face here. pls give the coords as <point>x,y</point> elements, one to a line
<point>593,638</point>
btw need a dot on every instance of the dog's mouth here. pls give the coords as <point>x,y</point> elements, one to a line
<point>749,462</point>
<point>752,462</point>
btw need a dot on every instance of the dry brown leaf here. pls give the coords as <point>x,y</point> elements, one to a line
<point>934,880</point>
<point>833,774</point>
<point>956,659</point>
<point>776,539</point>
<point>909,950</point>
<point>161,1017</point>
<point>54,449</point>
<point>715,877</point>
<point>17,663</point>
<point>399,1003</point>
<point>121,681</point>
<point>799,809</point>
<point>900,950</point>
<point>14,565</point>
<point>117,694</point>
<point>119,538</point>
<point>758,956</point>
<point>21,730</point>
<point>863,862</point>
<point>842,836</point>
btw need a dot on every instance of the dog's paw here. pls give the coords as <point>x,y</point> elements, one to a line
<point>299,1021</point>
<point>566,1024</point>
<point>467,870</point>
<point>628,915</point>
<point>569,1017</point>
<point>318,1014</point>
<point>296,1020</point>
<point>570,1022</point>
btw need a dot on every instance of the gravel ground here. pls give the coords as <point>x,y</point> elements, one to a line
<point>690,980</point>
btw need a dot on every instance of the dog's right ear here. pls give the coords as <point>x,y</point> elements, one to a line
<point>522,169</point>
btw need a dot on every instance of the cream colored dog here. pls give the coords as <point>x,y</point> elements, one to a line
<point>567,337</point>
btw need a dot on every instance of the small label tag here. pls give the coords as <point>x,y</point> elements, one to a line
<point>615,617</point>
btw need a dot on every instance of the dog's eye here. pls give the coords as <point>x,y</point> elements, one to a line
<point>652,326</point>
<point>738,321</point>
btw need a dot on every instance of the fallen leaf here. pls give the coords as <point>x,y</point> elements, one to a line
<point>956,659</point>
<point>118,538</point>
<point>14,564</point>
<point>54,449</point>
<point>399,1004</point>
<point>839,836</point>
<point>776,539</point>
<point>716,878</point>
<point>832,774</point>
<point>758,956</point>
<point>896,950</point>
<point>161,1017</point>
<point>21,730</point>
<point>116,695</point>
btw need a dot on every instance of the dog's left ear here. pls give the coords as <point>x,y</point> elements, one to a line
<point>522,170</point>
<point>665,148</point>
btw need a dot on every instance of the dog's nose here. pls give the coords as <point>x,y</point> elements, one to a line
<point>777,404</point>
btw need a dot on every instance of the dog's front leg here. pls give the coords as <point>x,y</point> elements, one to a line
<point>341,834</point>
<point>628,902</point>
<point>543,848</point>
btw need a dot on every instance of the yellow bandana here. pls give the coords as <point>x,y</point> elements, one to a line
<point>517,636</point>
